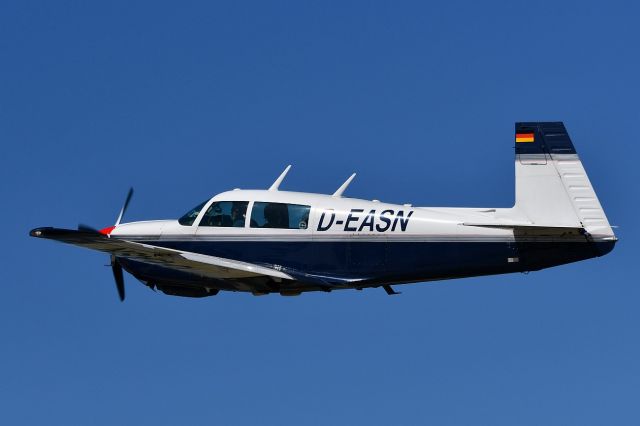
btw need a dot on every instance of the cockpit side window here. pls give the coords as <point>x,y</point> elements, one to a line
<point>226,214</point>
<point>279,215</point>
<point>191,215</point>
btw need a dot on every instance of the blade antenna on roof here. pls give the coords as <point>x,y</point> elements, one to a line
<point>278,181</point>
<point>344,186</point>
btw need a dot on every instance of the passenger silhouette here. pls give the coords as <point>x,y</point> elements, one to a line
<point>276,215</point>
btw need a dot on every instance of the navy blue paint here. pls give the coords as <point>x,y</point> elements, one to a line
<point>549,138</point>
<point>379,262</point>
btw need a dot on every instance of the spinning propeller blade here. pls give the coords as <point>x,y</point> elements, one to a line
<point>118,276</point>
<point>124,207</point>
<point>116,267</point>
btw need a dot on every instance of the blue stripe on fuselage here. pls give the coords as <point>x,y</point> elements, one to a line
<point>396,261</point>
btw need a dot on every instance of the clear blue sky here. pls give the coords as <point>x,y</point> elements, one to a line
<point>185,100</point>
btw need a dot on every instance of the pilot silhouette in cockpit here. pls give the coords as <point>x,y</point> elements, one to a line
<point>238,215</point>
<point>276,216</point>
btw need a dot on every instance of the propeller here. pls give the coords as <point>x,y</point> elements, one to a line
<point>124,207</point>
<point>116,267</point>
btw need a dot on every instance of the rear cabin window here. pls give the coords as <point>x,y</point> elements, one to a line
<point>191,215</point>
<point>279,215</point>
<point>226,214</point>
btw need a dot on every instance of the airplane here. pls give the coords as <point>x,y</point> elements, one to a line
<point>272,241</point>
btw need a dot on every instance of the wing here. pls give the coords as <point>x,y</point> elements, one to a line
<point>194,263</point>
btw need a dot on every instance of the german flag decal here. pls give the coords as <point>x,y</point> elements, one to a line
<point>524,137</point>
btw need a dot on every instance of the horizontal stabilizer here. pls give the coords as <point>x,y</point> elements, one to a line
<point>522,226</point>
<point>529,230</point>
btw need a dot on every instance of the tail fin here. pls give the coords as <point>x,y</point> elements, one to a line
<point>552,187</point>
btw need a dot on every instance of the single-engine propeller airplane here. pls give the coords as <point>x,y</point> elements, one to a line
<point>271,241</point>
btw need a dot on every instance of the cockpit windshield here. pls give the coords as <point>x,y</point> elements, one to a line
<point>191,215</point>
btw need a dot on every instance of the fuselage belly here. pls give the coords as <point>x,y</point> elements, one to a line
<point>380,262</point>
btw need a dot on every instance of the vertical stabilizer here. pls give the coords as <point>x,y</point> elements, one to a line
<point>552,186</point>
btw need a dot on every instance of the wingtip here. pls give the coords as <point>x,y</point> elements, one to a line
<point>39,232</point>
